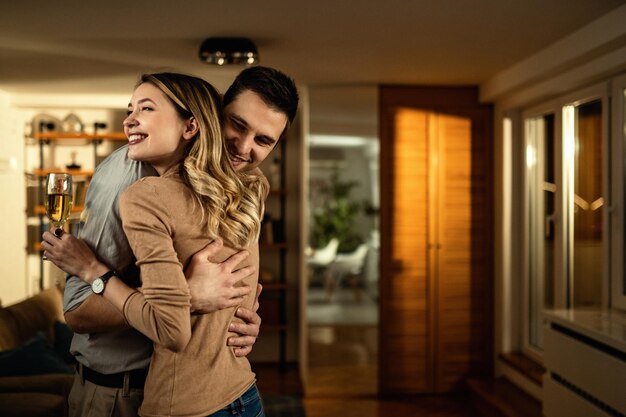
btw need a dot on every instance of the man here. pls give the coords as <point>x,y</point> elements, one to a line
<point>113,358</point>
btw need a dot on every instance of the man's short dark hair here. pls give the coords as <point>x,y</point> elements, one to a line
<point>276,89</point>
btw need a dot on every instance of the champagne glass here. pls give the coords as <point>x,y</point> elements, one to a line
<point>58,198</point>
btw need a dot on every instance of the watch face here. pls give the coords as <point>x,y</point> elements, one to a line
<point>97,286</point>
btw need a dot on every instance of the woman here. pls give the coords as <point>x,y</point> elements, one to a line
<point>174,124</point>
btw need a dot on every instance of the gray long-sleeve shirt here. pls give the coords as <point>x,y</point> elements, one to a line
<point>101,229</point>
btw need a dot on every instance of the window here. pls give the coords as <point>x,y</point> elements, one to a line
<point>573,250</point>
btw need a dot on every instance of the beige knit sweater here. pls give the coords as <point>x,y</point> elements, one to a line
<point>192,372</point>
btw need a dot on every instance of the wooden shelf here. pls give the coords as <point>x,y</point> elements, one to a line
<point>59,136</point>
<point>273,285</point>
<point>46,171</point>
<point>273,327</point>
<point>282,245</point>
<point>278,191</point>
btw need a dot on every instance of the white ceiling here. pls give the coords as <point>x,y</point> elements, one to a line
<point>79,46</point>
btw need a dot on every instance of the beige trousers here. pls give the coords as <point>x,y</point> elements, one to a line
<point>90,400</point>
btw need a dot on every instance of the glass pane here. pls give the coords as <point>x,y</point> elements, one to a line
<point>587,205</point>
<point>541,200</point>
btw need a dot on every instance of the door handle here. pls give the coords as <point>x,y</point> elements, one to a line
<point>550,220</point>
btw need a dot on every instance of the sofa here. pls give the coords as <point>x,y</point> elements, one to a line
<point>36,370</point>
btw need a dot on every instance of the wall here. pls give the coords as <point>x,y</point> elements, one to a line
<point>344,110</point>
<point>13,285</point>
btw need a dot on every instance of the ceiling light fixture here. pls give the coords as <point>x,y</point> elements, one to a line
<point>223,51</point>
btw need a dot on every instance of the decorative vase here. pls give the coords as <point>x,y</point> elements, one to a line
<point>72,124</point>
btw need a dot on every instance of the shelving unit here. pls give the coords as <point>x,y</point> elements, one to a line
<point>273,255</point>
<point>81,177</point>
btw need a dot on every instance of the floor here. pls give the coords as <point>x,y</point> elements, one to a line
<point>413,407</point>
<point>283,392</point>
<point>343,343</point>
<point>343,360</point>
<point>343,371</point>
<point>342,308</point>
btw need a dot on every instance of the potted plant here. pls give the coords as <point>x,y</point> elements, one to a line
<point>335,214</point>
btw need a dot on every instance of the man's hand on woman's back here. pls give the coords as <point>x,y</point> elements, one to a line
<point>248,331</point>
<point>213,285</point>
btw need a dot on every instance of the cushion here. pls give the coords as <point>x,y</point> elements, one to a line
<point>19,322</point>
<point>31,404</point>
<point>62,341</point>
<point>59,384</point>
<point>35,357</point>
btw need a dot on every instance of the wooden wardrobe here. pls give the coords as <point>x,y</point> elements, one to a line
<point>436,249</point>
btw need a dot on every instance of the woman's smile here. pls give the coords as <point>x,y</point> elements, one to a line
<point>136,138</point>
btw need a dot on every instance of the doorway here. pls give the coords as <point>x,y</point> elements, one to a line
<point>343,245</point>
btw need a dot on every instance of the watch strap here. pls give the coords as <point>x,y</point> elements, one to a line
<point>98,284</point>
<point>105,277</point>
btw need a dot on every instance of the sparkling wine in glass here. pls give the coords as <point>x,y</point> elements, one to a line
<point>58,198</point>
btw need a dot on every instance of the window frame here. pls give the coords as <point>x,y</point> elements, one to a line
<point>536,112</point>
<point>617,206</point>
<point>600,92</point>
<point>612,189</point>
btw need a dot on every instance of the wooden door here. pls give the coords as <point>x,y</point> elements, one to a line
<point>408,367</point>
<point>435,225</point>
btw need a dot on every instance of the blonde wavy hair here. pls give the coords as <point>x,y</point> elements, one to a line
<point>232,203</point>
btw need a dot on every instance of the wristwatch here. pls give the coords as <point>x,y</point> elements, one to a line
<point>98,284</point>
